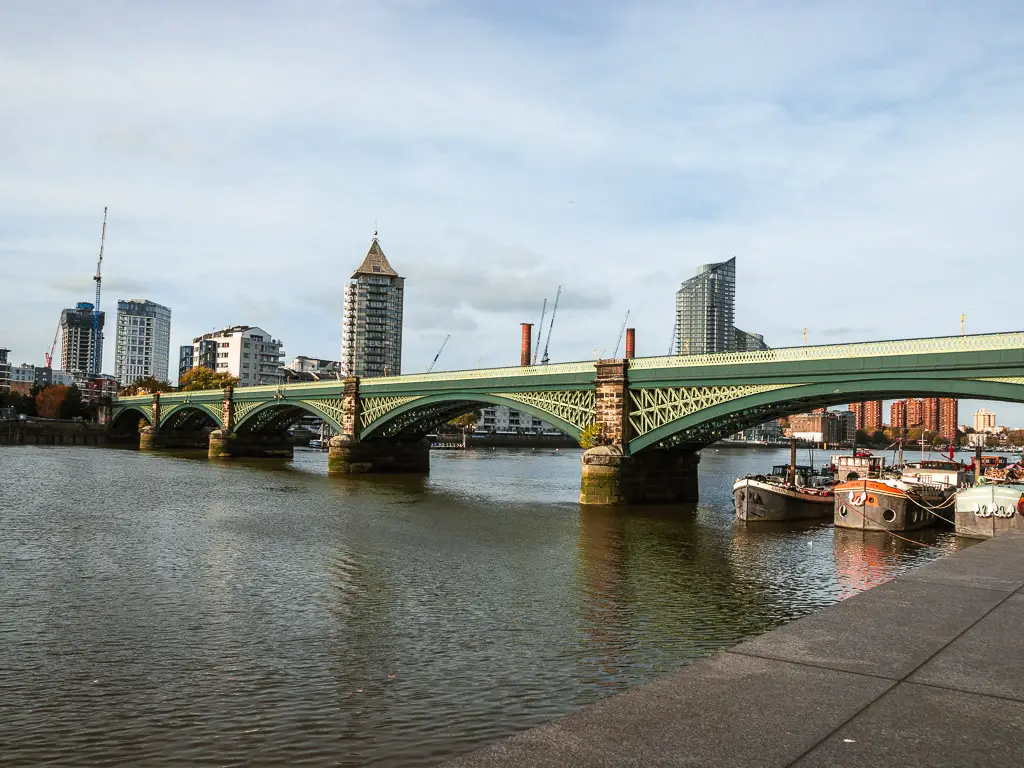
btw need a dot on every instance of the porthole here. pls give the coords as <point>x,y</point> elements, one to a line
<point>843,512</point>
<point>889,515</point>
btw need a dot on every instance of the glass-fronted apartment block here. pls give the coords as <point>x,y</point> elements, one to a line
<point>143,343</point>
<point>371,330</point>
<point>79,339</point>
<point>705,310</point>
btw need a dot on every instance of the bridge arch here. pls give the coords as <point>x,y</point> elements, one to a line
<point>190,415</point>
<point>706,425</point>
<point>421,414</point>
<point>126,420</point>
<point>281,414</point>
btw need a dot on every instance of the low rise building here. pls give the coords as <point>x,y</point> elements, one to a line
<point>304,368</point>
<point>817,427</point>
<point>502,419</point>
<point>244,351</point>
<point>26,376</point>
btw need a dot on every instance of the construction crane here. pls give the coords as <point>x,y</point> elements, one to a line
<point>547,342</point>
<point>97,338</point>
<point>540,330</point>
<point>622,330</point>
<point>49,355</point>
<point>434,361</point>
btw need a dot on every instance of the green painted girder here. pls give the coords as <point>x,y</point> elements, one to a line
<point>846,372</point>
<point>797,399</point>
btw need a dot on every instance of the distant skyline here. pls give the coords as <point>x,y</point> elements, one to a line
<point>860,160</point>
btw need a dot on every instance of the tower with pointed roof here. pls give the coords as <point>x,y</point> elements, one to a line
<point>371,332</point>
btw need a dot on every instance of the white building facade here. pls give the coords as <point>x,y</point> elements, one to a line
<point>503,419</point>
<point>246,352</point>
<point>143,343</point>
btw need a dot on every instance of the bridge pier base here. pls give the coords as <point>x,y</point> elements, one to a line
<point>152,439</point>
<point>654,476</point>
<point>351,457</point>
<point>233,445</point>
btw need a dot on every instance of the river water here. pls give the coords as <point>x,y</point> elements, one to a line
<point>164,610</point>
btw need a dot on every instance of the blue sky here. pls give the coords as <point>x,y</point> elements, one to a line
<point>862,161</point>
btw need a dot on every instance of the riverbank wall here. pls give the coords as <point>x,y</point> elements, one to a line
<point>51,432</point>
<point>924,669</point>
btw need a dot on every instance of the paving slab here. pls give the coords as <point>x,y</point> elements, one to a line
<point>995,564</point>
<point>914,726</point>
<point>728,711</point>
<point>887,631</point>
<point>988,658</point>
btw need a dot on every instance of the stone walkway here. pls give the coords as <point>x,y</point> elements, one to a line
<point>924,670</point>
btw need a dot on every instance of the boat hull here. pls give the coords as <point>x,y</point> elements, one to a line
<point>870,505</point>
<point>758,501</point>
<point>987,510</point>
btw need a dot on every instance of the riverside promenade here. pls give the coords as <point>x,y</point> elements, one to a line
<point>924,670</point>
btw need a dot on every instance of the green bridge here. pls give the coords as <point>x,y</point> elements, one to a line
<point>649,414</point>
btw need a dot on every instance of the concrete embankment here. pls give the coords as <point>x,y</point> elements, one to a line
<point>924,670</point>
<point>51,432</point>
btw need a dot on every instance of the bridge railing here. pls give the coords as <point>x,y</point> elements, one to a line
<point>937,344</point>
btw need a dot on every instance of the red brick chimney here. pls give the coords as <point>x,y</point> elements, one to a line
<point>527,343</point>
<point>630,343</point>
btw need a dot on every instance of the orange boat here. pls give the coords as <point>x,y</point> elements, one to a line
<point>885,505</point>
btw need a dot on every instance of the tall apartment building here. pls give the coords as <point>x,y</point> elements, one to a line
<point>915,412</point>
<point>246,352</point>
<point>949,418</point>
<point>78,339</point>
<point>143,343</point>
<point>898,414</point>
<point>186,359</point>
<point>984,420</point>
<point>868,415</point>
<point>705,309</point>
<point>371,332</point>
<point>5,370</point>
<point>930,414</point>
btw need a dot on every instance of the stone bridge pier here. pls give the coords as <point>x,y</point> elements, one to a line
<point>348,455</point>
<point>230,443</point>
<point>611,476</point>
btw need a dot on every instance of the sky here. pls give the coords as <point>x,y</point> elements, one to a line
<point>861,160</point>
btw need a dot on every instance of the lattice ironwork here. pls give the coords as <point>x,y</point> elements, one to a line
<point>276,417</point>
<point>375,407</point>
<point>1005,379</point>
<point>482,373</point>
<point>653,408</point>
<point>942,344</point>
<point>331,407</point>
<point>575,406</point>
<point>242,409</point>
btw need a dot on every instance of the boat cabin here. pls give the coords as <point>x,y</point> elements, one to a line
<point>989,462</point>
<point>805,476</point>
<point>858,466</point>
<point>935,472</point>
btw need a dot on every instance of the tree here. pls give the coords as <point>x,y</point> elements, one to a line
<point>201,377</point>
<point>146,386</point>
<point>591,436</point>
<point>466,421</point>
<point>50,401</point>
